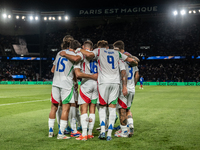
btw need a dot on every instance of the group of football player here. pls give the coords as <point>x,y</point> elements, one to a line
<point>108,78</point>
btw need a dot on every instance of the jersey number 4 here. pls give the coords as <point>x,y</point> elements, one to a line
<point>61,62</point>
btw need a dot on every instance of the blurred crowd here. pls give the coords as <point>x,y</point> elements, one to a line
<point>30,70</point>
<point>162,39</point>
<point>170,70</point>
<point>151,70</point>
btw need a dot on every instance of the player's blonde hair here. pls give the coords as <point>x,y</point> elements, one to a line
<point>67,38</point>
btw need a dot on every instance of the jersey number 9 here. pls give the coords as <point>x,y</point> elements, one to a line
<point>110,60</point>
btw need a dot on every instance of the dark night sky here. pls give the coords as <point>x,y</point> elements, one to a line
<point>44,5</point>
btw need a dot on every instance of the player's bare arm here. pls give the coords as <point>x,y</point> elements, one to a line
<point>75,82</point>
<point>137,76</point>
<point>132,61</point>
<point>124,82</point>
<point>89,55</point>
<point>73,58</point>
<point>131,56</point>
<point>53,69</point>
<point>80,74</point>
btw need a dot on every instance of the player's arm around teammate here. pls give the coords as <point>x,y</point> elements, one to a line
<point>75,58</point>
<point>129,55</point>
<point>90,55</point>
<point>119,46</point>
<point>80,74</point>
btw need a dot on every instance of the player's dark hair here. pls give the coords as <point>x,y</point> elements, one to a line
<point>119,44</point>
<point>66,44</point>
<point>88,44</point>
<point>95,46</point>
<point>102,44</point>
<point>75,44</point>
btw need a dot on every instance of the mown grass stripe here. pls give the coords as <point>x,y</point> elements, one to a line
<point>24,102</point>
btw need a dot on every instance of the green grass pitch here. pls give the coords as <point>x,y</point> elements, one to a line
<point>165,117</point>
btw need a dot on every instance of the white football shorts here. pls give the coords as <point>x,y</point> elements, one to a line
<point>88,93</point>
<point>125,101</point>
<point>108,93</point>
<point>60,94</point>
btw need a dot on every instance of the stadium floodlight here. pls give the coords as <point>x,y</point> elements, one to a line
<point>17,17</point>
<point>4,16</point>
<point>175,13</point>
<point>59,18</point>
<point>31,17</point>
<point>49,18</point>
<point>199,10</point>
<point>53,18</point>
<point>194,11</point>
<point>45,18</point>
<point>190,12</point>
<point>183,12</point>
<point>9,16</point>
<point>23,17</point>
<point>36,17</point>
<point>66,18</point>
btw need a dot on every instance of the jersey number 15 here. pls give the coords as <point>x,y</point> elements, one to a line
<point>61,61</point>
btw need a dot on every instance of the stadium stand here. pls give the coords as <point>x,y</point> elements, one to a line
<point>164,39</point>
<point>141,38</point>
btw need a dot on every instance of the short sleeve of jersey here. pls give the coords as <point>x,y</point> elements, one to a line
<point>136,69</point>
<point>81,55</point>
<point>77,65</point>
<point>96,53</point>
<point>121,65</point>
<point>54,63</point>
<point>122,56</point>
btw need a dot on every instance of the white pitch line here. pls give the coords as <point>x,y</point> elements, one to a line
<point>24,102</point>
